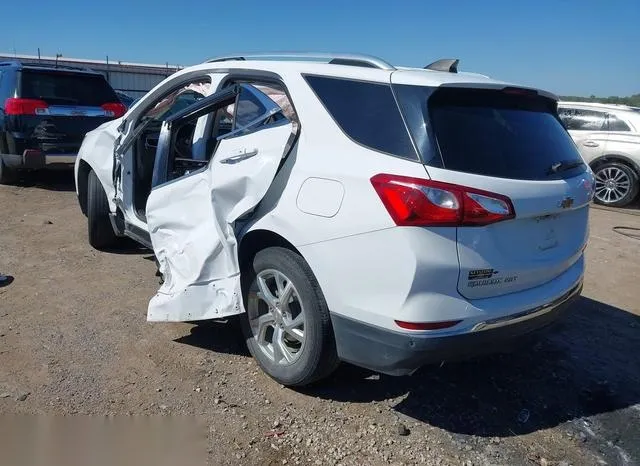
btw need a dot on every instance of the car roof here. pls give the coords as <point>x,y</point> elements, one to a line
<point>353,66</point>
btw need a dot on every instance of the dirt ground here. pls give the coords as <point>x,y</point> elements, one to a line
<point>74,340</point>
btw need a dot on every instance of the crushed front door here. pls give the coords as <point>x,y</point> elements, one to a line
<point>191,219</point>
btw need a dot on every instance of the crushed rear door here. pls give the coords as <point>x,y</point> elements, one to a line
<point>191,219</point>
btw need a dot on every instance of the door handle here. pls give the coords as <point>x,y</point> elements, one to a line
<point>242,155</point>
<point>590,144</point>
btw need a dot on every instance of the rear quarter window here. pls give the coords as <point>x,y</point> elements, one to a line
<point>66,88</point>
<point>366,112</point>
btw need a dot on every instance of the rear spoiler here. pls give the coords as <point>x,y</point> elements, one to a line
<point>449,65</point>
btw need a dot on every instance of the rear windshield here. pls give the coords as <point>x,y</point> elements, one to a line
<point>492,133</point>
<point>62,88</point>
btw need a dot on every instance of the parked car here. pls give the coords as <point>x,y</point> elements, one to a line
<point>45,111</point>
<point>608,137</point>
<point>346,210</point>
<point>126,99</point>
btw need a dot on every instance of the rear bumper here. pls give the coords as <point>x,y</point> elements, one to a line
<point>35,159</point>
<point>398,353</point>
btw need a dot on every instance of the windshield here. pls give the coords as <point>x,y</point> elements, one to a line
<point>490,132</point>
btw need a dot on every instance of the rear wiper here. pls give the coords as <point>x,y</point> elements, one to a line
<point>563,166</point>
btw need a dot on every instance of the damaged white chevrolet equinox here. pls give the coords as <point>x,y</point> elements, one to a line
<point>347,209</point>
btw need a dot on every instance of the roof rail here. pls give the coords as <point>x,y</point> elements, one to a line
<point>446,64</point>
<point>354,59</point>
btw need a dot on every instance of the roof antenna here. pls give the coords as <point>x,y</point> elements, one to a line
<point>446,64</point>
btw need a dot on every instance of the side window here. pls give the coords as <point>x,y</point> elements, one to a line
<point>582,120</point>
<point>178,99</point>
<point>366,112</point>
<point>247,108</point>
<point>616,124</point>
<point>175,151</point>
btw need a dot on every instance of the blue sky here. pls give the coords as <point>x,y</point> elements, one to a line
<point>566,46</point>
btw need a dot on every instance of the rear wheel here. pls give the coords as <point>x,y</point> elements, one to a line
<point>7,176</point>
<point>101,234</point>
<point>287,327</point>
<point>616,184</point>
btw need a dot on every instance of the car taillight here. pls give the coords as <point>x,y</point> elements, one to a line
<point>15,106</point>
<point>420,202</point>
<point>114,109</point>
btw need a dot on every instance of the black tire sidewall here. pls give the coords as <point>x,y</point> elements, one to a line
<point>318,356</point>
<point>100,230</point>
<point>633,177</point>
<point>7,175</point>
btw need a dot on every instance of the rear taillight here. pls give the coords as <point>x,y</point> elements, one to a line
<point>420,202</point>
<point>114,109</point>
<point>15,106</point>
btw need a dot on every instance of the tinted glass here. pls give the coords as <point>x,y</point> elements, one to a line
<point>247,109</point>
<point>366,112</point>
<point>616,124</point>
<point>62,88</point>
<point>491,133</point>
<point>576,119</point>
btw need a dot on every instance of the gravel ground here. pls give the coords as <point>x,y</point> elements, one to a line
<point>74,340</point>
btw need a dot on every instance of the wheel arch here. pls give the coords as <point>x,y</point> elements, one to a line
<point>256,240</point>
<point>594,164</point>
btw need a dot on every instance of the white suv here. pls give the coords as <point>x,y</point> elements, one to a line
<point>608,137</point>
<point>347,209</point>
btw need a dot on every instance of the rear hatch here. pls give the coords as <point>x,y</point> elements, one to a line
<point>509,145</point>
<point>58,107</point>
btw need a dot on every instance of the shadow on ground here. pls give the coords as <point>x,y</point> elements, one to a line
<point>217,336</point>
<point>52,180</point>
<point>587,364</point>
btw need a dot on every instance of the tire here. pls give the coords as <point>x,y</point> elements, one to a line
<point>316,356</point>
<point>7,176</point>
<point>100,231</point>
<point>616,184</point>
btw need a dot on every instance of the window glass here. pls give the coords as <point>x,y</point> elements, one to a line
<point>66,88</point>
<point>577,119</point>
<point>616,124</point>
<point>490,133</point>
<point>366,112</point>
<point>179,99</point>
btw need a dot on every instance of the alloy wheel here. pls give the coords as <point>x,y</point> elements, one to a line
<point>612,185</point>
<point>276,317</point>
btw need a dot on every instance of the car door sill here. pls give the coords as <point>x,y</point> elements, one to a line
<point>138,234</point>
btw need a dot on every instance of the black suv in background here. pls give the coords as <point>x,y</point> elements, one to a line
<point>45,111</point>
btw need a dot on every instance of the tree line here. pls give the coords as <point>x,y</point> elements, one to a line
<point>633,100</point>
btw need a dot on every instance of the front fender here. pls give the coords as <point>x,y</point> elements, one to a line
<point>97,150</point>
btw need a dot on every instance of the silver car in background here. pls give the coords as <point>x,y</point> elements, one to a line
<point>608,137</point>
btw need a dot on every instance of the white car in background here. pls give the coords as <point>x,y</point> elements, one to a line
<point>348,210</point>
<point>608,137</point>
